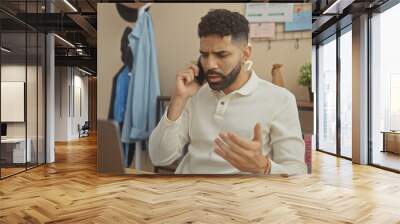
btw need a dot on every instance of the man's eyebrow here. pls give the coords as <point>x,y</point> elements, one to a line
<point>215,52</point>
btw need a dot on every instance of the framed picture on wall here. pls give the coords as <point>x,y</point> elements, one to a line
<point>12,101</point>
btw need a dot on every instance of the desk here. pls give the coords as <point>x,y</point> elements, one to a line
<point>13,150</point>
<point>391,141</point>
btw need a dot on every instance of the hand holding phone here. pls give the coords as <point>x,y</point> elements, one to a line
<point>187,82</point>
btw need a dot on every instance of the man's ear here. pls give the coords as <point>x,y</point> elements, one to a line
<point>247,52</point>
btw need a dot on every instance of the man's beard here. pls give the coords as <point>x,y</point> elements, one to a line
<point>226,80</point>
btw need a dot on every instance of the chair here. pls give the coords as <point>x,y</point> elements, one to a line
<point>308,151</point>
<point>84,130</point>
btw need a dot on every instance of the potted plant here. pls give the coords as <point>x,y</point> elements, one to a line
<point>305,78</point>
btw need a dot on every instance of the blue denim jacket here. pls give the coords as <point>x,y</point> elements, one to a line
<point>144,85</point>
<point>121,94</point>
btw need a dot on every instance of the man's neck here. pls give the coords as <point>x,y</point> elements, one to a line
<point>242,78</point>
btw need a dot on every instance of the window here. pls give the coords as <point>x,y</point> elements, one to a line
<point>327,96</point>
<point>346,93</point>
<point>394,102</point>
<point>385,89</point>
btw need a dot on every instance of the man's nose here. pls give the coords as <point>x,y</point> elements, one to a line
<point>210,63</point>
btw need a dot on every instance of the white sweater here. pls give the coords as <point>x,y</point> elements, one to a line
<point>210,112</point>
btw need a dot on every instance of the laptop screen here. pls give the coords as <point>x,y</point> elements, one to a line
<point>3,129</point>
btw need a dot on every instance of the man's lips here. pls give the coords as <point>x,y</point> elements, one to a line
<point>214,78</point>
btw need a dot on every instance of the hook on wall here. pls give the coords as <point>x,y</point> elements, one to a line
<point>296,44</point>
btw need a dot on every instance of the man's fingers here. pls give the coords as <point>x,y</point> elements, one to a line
<point>219,151</point>
<point>221,144</point>
<point>195,69</point>
<point>187,76</point>
<point>222,153</point>
<point>229,153</point>
<point>190,73</point>
<point>234,147</point>
<point>257,133</point>
<point>242,142</point>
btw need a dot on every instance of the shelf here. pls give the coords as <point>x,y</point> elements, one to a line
<point>305,105</point>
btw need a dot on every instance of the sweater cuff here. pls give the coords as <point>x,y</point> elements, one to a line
<point>275,168</point>
<point>165,122</point>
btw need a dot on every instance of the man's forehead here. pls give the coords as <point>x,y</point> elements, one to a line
<point>216,43</point>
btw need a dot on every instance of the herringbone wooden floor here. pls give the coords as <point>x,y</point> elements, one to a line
<point>70,191</point>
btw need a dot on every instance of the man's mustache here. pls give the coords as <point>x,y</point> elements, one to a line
<point>213,72</point>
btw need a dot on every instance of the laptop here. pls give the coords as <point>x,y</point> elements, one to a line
<point>109,148</point>
<point>3,131</point>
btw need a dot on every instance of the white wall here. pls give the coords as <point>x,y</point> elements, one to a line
<point>68,80</point>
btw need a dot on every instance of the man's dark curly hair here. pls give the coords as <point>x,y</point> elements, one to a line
<point>223,22</point>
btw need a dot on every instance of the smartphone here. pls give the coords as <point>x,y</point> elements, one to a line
<point>200,78</point>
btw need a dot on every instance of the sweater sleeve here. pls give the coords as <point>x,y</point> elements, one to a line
<point>168,139</point>
<point>286,141</point>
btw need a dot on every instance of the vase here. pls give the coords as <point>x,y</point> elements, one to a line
<point>277,76</point>
<point>310,94</point>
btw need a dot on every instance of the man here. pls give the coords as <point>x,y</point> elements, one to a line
<point>237,122</point>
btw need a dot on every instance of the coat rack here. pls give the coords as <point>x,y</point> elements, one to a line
<point>138,144</point>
